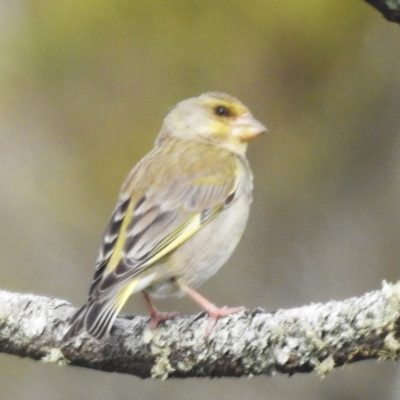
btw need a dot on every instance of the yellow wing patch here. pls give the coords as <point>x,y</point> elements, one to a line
<point>173,241</point>
<point>116,255</point>
<point>124,294</point>
<point>183,233</point>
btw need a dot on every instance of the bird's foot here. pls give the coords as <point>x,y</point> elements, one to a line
<point>214,313</point>
<point>157,316</point>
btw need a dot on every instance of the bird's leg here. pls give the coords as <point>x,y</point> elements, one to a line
<point>213,311</point>
<point>155,315</point>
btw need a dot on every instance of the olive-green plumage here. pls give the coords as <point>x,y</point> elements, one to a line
<point>180,213</point>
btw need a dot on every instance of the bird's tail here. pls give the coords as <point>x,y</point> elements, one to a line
<point>97,316</point>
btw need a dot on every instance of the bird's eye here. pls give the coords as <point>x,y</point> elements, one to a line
<point>222,111</point>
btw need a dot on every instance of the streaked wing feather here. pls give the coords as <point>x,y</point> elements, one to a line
<point>156,227</point>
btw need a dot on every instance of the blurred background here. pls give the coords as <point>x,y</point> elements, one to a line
<point>84,87</point>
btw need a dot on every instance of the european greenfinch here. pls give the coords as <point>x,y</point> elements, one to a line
<point>179,216</point>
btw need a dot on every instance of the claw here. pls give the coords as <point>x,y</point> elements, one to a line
<point>155,315</point>
<point>213,311</point>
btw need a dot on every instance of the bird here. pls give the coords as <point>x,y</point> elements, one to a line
<point>179,215</point>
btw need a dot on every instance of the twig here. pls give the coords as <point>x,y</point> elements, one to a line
<point>318,338</point>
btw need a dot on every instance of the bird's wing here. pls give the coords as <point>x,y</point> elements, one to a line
<point>142,232</point>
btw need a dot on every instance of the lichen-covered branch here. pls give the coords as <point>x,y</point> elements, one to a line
<point>318,338</point>
<point>390,9</point>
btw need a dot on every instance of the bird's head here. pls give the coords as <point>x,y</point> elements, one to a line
<point>215,118</point>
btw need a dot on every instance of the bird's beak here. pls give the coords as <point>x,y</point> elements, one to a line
<point>247,127</point>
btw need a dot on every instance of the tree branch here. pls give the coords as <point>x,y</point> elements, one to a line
<point>390,9</point>
<point>318,338</point>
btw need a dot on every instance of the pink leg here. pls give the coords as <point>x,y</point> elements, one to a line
<point>155,315</point>
<point>213,311</point>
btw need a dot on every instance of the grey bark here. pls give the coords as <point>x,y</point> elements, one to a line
<point>390,9</point>
<point>317,338</point>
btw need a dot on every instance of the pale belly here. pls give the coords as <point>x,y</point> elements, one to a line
<point>202,255</point>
